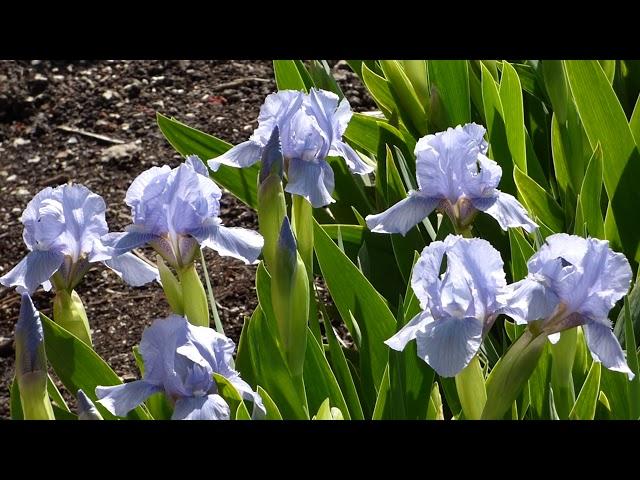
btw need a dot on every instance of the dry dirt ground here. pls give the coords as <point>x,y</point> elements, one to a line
<point>40,101</point>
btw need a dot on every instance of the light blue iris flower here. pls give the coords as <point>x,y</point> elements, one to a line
<point>175,210</point>
<point>180,360</point>
<point>575,281</point>
<point>459,306</point>
<point>456,177</point>
<point>311,128</point>
<point>65,231</point>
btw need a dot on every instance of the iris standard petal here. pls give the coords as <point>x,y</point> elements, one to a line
<point>408,332</point>
<point>404,215</point>
<point>235,242</point>
<point>132,269</point>
<point>148,183</point>
<point>605,348</point>
<point>506,210</point>
<point>449,344</point>
<point>121,399</point>
<point>242,155</point>
<point>425,279</point>
<point>34,269</point>
<point>158,349</point>
<point>477,258</point>
<point>209,407</point>
<point>530,299</point>
<point>311,180</point>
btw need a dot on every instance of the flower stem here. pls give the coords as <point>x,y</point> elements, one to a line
<point>212,300</point>
<point>471,390</point>
<point>302,216</point>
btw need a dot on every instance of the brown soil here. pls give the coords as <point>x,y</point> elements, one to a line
<point>119,99</point>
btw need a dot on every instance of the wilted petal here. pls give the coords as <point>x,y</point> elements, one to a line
<point>242,155</point>
<point>34,269</point>
<point>311,180</point>
<point>449,344</point>
<point>529,300</point>
<point>210,407</point>
<point>121,399</point>
<point>605,347</point>
<point>235,242</point>
<point>133,270</point>
<point>506,210</point>
<point>408,332</point>
<point>404,215</point>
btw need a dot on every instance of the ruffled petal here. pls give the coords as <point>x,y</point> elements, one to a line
<point>210,407</point>
<point>506,210</point>
<point>121,399</point>
<point>605,347</point>
<point>311,180</point>
<point>242,155</point>
<point>425,278</point>
<point>404,215</point>
<point>448,344</point>
<point>133,270</point>
<point>34,269</point>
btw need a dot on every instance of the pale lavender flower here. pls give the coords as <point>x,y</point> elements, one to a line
<point>311,129</point>
<point>456,177</point>
<point>176,210</point>
<point>459,306</point>
<point>574,281</point>
<point>65,231</point>
<point>180,360</point>
<point>86,408</point>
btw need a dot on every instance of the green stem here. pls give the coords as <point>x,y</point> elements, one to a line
<point>302,223</point>
<point>471,390</point>
<point>563,354</point>
<point>212,300</point>
<point>511,373</point>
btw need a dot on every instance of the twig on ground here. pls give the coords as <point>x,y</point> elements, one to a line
<point>97,136</point>
<point>236,83</point>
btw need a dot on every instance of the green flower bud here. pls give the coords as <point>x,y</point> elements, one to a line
<point>31,364</point>
<point>69,313</point>
<point>194,297</point>
<point>171,286</point>
<point>271,202</point>
<point>290,299</point>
